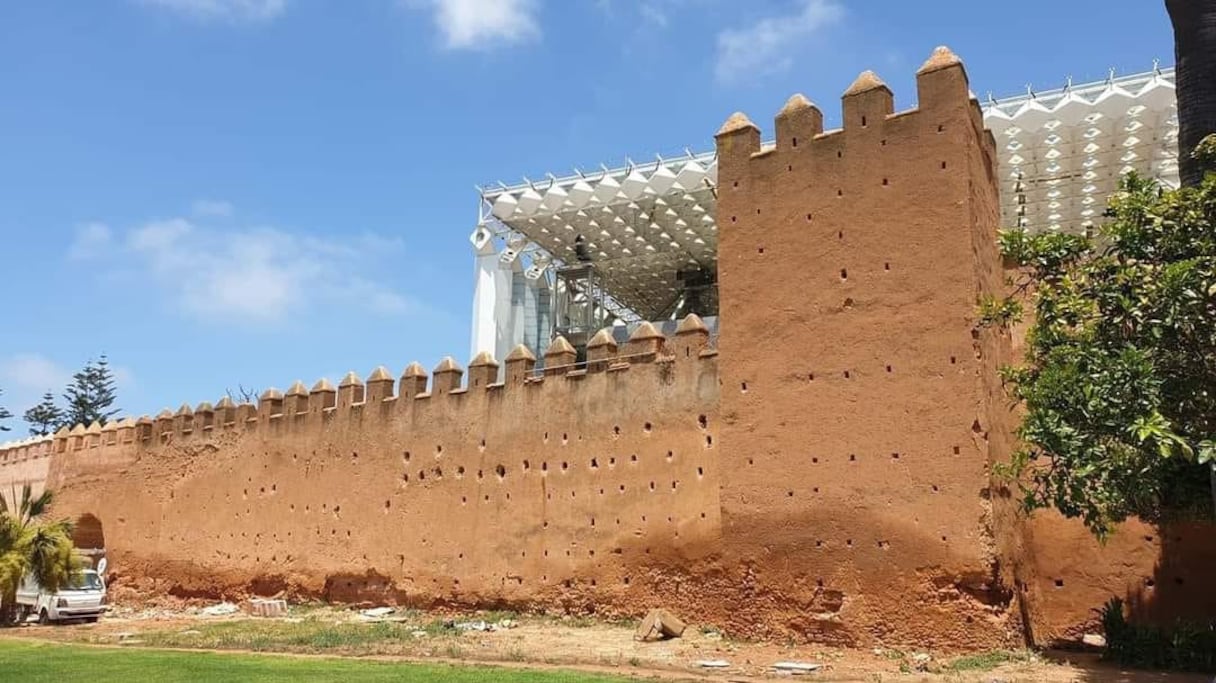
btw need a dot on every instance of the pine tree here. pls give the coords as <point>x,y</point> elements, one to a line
<point>4,415</point>
<point>91,394</point>
<point>45,417</point>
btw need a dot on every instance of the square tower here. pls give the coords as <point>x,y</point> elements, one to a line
<point>857,389</point>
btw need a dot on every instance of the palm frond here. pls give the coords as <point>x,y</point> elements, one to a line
<point>31,546</point>
<point>38,506</point>
<point>50,558</point>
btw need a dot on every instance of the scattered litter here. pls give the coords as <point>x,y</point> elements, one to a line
<point>659,624</point>
<point>1094,640</point>
<point>267,608</point>
<point>418,634</point>
<point>474,626</point>
<point>377,612</point>
<point>920,661</point>
<point>222,609</point>
<point>797,667</point>
<point>712,663</point>
<point>190,632</point>
<point>480,625</point>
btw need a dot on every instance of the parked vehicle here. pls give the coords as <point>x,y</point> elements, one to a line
<point>83,597</point>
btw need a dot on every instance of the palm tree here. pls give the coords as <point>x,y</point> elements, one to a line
<point>30,545</point>
<point>1195,54</point>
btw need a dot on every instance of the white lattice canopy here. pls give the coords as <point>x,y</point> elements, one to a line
<point>1061,153</point>
<point>642,224</point>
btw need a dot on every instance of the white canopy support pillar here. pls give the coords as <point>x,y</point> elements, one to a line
<point>491,298</point>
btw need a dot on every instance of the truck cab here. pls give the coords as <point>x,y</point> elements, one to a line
<point>82,597</point>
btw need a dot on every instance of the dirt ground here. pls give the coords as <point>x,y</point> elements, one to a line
<point>570,643</point>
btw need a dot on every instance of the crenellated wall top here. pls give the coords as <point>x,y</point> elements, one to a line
<point>382,395</point>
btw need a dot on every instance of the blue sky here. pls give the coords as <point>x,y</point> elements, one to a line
<point>246,192</point>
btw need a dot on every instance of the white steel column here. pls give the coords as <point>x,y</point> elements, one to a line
<point>485,296</point>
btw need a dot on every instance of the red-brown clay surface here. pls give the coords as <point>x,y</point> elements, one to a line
<point>588,492</point>
<point>854,405</point>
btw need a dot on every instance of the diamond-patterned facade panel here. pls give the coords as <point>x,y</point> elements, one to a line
<point>1061,153</point>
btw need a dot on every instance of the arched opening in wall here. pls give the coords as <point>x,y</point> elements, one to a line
<point>88,534</point>
<point>89,539</point>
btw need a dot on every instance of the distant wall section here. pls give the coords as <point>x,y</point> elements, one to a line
<point>24,462</point>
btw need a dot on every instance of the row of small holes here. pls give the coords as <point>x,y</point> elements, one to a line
<point>501,470</point>
<point>853,458</point>
<point>647,428</point>
<point>847,374</point>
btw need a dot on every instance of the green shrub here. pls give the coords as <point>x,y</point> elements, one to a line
<point>1181,647</point>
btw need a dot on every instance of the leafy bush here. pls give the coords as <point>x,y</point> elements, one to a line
<point>1182,647</point>
<point>1120,363</point>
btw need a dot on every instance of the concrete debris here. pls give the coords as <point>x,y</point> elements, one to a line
<point>190,632</point>
<point>506,623</point>
<point>220,610</point>
<point>377,612</point>
<point>797,667</point>
<point>1094,640</point>
<point>659,624</point>
<point>920,661</point>
<point>712,663</point>
<point>267,608</point>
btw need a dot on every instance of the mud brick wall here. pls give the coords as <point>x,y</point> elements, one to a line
<point>552,490</point>
<point>855,407</point>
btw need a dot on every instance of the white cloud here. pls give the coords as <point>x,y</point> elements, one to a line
<point>656,14</point>
<point>91,241</point>
<point>482,24</point>
<point>229,11</point>
<point>653,13</point>
<point>255,275</point>
<point>212,207</point>
<point>766,46</point>
<point>24,378</point>
<point>33,373</point>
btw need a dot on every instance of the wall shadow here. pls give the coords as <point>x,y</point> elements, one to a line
<point>1181,585</point>
<point>1091,669</point>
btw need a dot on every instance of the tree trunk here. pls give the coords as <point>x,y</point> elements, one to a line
<point>1195,53</point>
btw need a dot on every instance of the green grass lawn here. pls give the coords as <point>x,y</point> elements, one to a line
<point>32,662</point>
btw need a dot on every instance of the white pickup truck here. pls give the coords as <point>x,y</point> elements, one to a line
<point>82,597</point>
